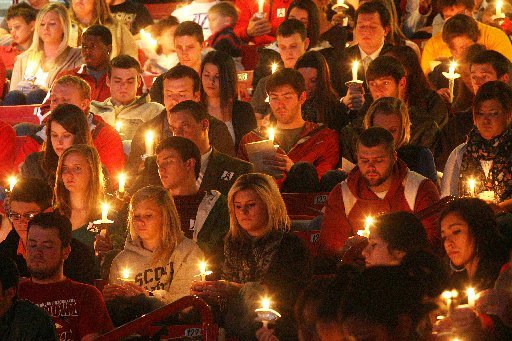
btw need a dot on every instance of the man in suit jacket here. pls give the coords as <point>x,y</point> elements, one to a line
<point>218,171</point>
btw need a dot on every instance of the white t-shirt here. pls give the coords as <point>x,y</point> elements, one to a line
<point>197,12</point>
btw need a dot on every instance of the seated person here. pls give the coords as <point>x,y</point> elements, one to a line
<point>485,156</point>
<point>132,14</point>
<point>37,68</point>
<point>386,77</point>
<point>391,114</point>
<point>96,51</point>
<point>252,28</point>
<point>484,67</point>
<point>204,214</point>
<point>29,197</point>
<point>293,42</point>
<point>7,152</point>
<point>124,106</point>
<point>181,83</point>
<point>159,258</point>
<point>73,90</point>
<point>79,190</point>
<point>218,171</point>
<point>381,183</point>
<point>436,49</point>
<point>298,140</point>
<point>196,11</point>
<point>48,245</point>
<point>322,104</point>
<point>21,319</point>
<point>188,41</point>
<point>98,13</point>
<point>165,56</point>
<point>219,95</point>
<point>261,257</point>
<point>223,17</point>
<point>20,20</point>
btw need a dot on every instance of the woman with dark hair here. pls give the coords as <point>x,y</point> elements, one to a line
<point>307,13</point>
<point>475,249</point>
<point>219,93</point>
<point>423,102</point>
<point>66,126</point>
<point>322,104</point>
<point>485,157</point>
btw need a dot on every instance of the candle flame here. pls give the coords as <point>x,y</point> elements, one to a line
<point>265,303</point>
<point>125,274</point>
<point>271,133</point>
<point>274,67</point>
<point>105,206</point>
<point>446,295</point>
<point>118,126</point>
<point>202,267</point>
<point>148,39</point>
<point>369,221</point>
<point>149,136</point>
<point>12,182</point>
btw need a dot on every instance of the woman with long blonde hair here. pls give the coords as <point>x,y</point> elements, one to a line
<point>49,54</point>
<point>79,189</point>
<point>85,13</point>
<point>261,258</point>
<point>157,257</point>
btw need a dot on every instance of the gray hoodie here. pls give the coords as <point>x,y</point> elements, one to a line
<point>169,279</point>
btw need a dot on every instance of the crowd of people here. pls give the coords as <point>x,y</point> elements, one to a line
<point>152,176</point>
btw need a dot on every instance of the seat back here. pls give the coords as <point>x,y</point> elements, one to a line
<point>161,11</point>
<point>19,113</point>
<point>302,205</point>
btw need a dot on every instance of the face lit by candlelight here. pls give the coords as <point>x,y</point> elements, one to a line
<point>301,15</point>
<point>377,252</point>
<point>387,86</point>
<point>310,75</point>
<point>291,48</point>
<point>459,244</point>
<point>188,49</point>
<point>286,104</point>
<point>251,212</point>
<point>375,163</point>
<point>123,85</point>
<point>483,73</point>
<point>459,45</point>
<point>369,32</point>
<point>61,138</point>
<point>211,80</point>
<point>390,122</point>
<point>147,221</point>
<point>491,119</point>
<point>76,173</point>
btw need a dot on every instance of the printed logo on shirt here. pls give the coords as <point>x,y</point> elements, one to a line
<point>281,12</point>
<point>227,176</point>
<point>62,311</point>
<point>201,18</point>
<point>157,278</point>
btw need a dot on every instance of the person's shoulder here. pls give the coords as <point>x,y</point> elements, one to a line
<point>185,249</point>
<point>225,158</point>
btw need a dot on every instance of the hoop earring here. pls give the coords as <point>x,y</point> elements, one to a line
<point>454,268</point>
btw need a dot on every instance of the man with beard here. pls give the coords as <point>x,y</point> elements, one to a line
<point>381,183</point>
<point>77,309</point>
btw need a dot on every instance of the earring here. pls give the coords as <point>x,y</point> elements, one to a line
<point>456,269</point>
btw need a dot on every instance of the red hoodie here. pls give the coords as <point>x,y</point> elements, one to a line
<point>337,227</point>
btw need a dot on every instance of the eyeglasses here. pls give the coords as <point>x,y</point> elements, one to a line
<point>17,216</point>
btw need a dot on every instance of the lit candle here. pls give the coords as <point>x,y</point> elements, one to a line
<point>340,2</point>
<point>148,41</point>
<point>499,6</point>
<point>451,69</point>
<point>471,293</point>
<point>125,275</point>
<point>150,140</point>
<point>451,75</point>
<point>265,313</point>
<point>122,182</point>
<point>118,126</point>
<point>261,4</point>
<point>355,67</point>
<point>271,134</point>
<point>274,67</point>
<point>12,181</point>
<point>471,185</point>
<point>367,224</point>
<point>104,212</point>
<point>203,272</point>
<point>448,296</point>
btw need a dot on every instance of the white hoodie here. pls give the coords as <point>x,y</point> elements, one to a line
<point>169,279</point>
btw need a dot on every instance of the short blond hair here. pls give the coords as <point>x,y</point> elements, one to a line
<point>225,9</point>
<point>266,188</point>
<point>391,106</point>
<point>82,86</point>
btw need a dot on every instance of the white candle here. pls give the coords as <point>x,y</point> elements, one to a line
<point>118,126</point>
<point>355,67</point>
<point>125,274</point>
<point>271,134</point>
<point>261,4</point>
<point>150,140</point>
<point>104,212</point>
<point>451,79</point>
<point>471,293</point>
<point>265,305</point>
<point>12,182</point>
<point>367,224</point>
<point>203,272</point>
<point>499,5</point>
<point>451,69</point>
<point>122,182</point>
<point>471,185</point>
<point>274,67</point>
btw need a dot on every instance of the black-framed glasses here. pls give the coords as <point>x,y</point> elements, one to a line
<point>17,216</point>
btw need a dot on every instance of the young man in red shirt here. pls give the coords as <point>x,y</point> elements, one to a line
<point>77,309</point>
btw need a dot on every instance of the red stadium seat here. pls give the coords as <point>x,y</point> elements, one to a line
<point>161,11</point>
<point>18,114</point>
<point>305,204</point>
